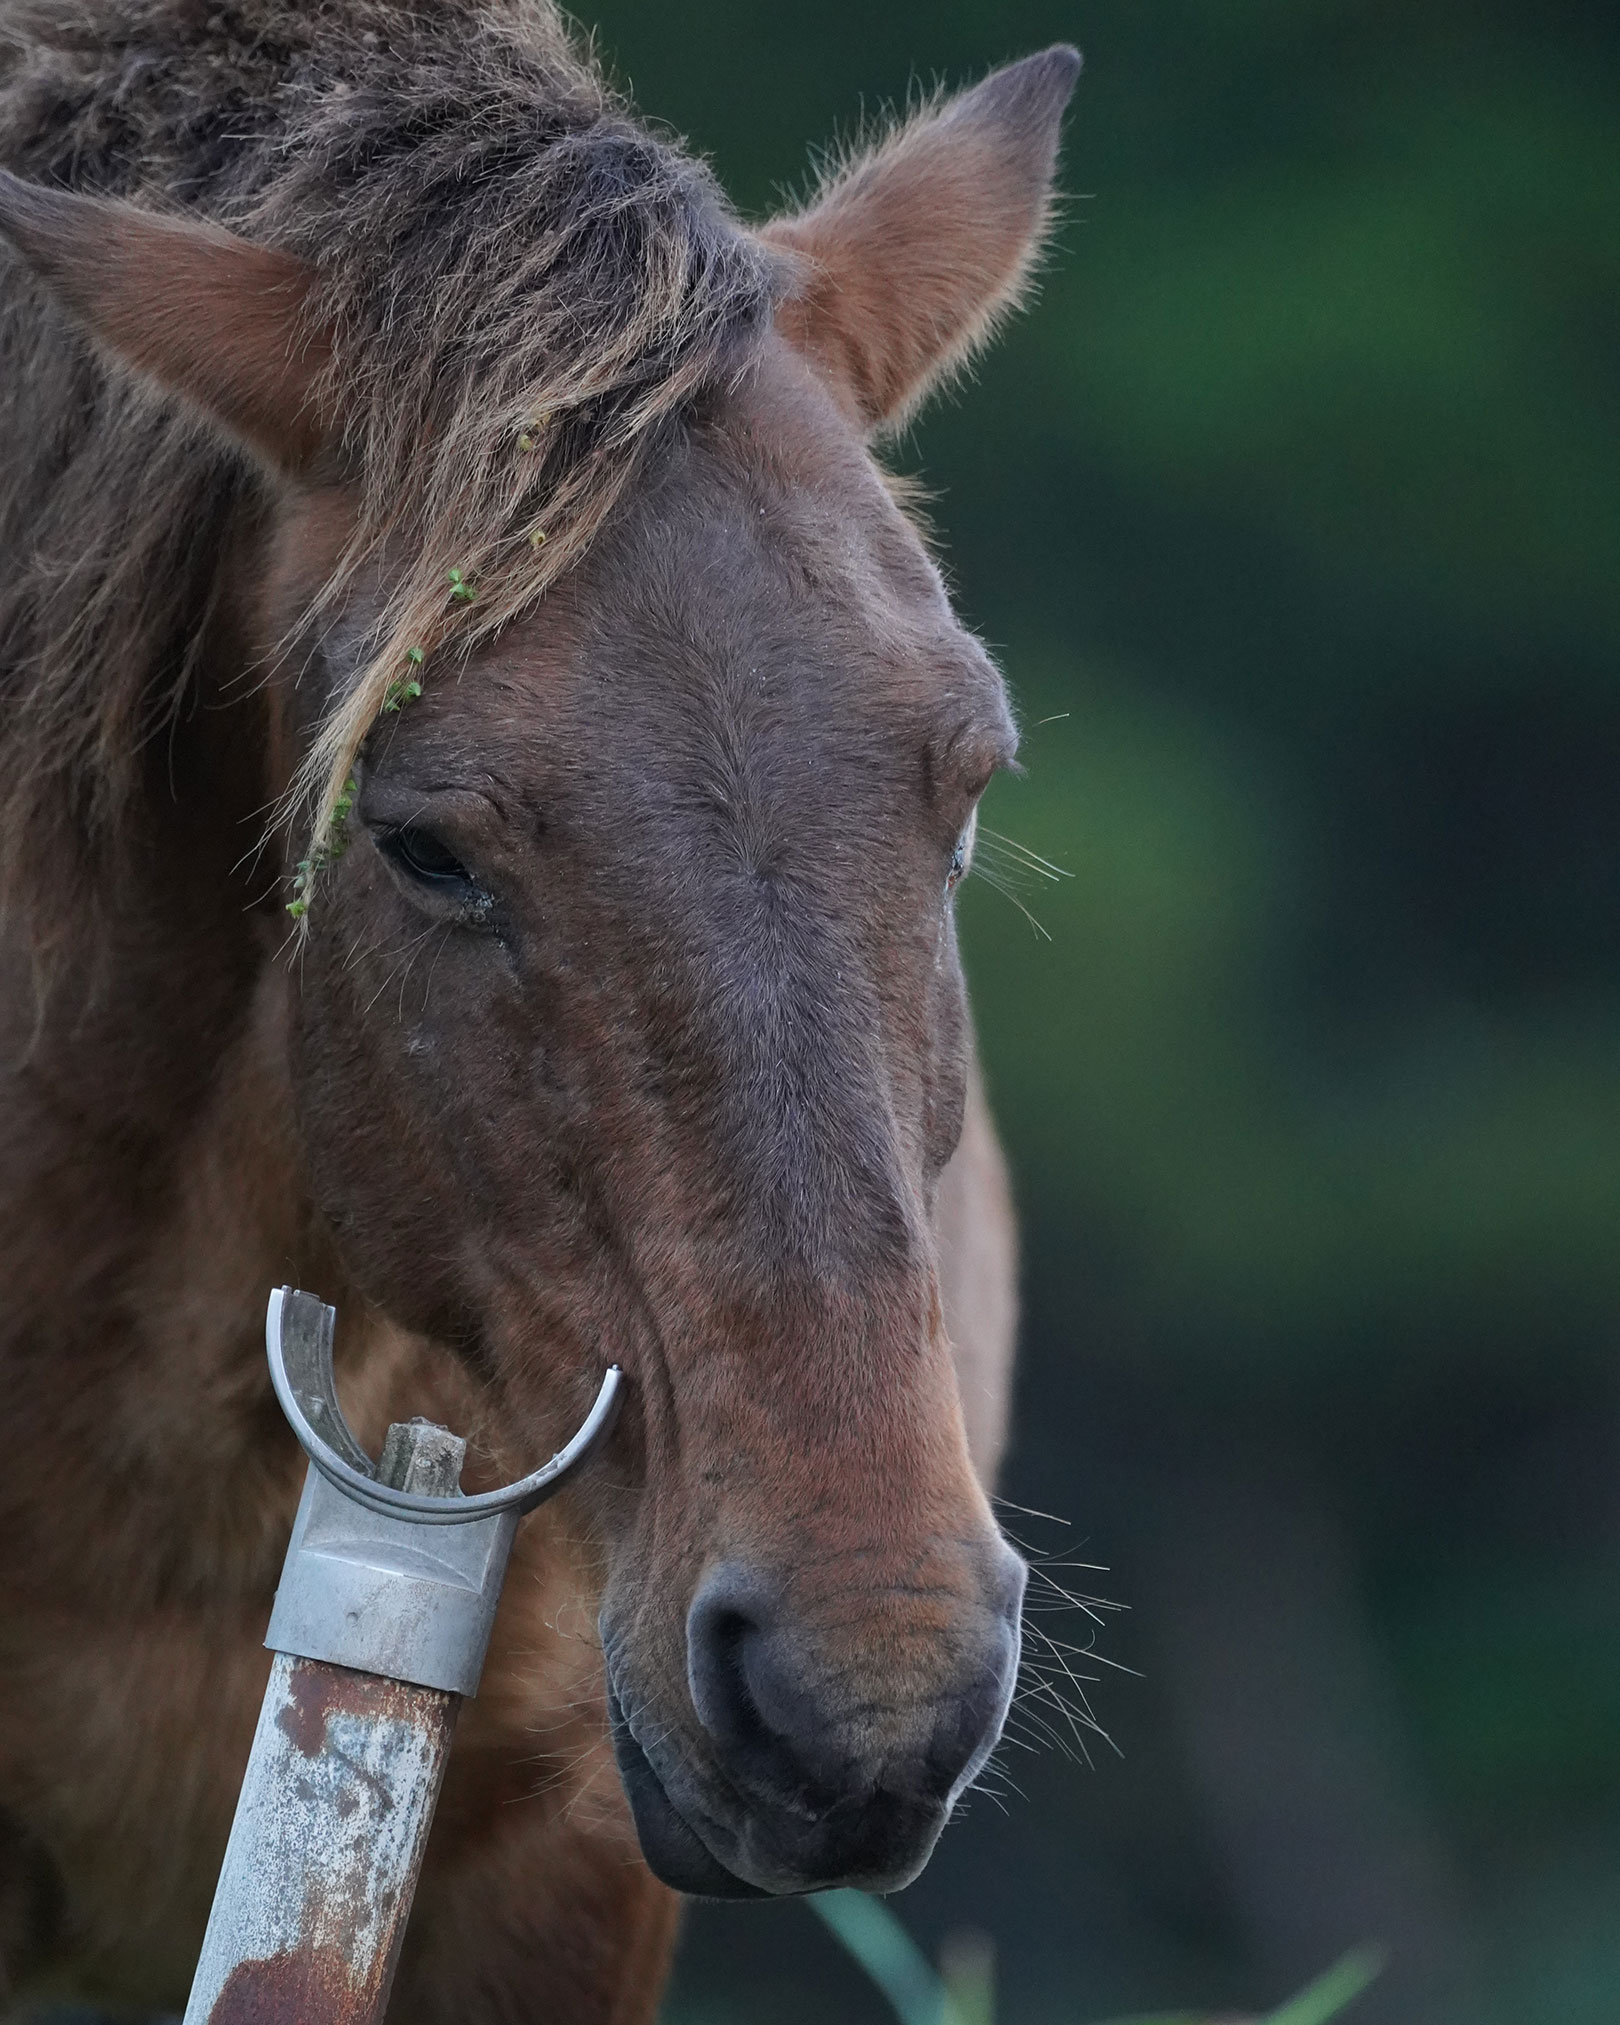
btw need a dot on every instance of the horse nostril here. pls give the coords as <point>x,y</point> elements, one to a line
<point>729,1622</point>
<point>782,1721</point>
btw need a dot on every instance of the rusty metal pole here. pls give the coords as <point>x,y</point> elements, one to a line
<point>379,1628</point>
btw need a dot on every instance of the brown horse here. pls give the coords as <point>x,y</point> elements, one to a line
<point>398,436</point>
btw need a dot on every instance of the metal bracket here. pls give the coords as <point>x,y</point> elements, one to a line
<point>298,1335</point>
<point>385,1577</point>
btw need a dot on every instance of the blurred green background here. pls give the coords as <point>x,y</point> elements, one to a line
<point>1294,513</point>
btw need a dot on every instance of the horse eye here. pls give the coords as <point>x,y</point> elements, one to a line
<point>420,853</point>
<point>962,854</point>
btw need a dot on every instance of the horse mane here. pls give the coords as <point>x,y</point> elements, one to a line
<point>524,287</point>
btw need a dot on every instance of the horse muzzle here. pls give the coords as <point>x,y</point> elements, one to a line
<point>798,1775</point>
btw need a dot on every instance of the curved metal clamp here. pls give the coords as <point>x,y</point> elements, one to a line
<point>298,1336</point>
<point>363,1584</point>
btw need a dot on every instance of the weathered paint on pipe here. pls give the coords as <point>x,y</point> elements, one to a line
<point>324,1852</point>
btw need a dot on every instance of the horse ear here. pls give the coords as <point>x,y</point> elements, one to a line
<point>908,258</point>
<point>208,316</point>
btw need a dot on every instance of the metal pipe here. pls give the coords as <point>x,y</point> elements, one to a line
<point>379,1628</point>
<point>324,1853</point>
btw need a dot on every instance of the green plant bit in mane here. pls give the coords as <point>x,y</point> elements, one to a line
<point>403,689</point>
<point>328,853</point>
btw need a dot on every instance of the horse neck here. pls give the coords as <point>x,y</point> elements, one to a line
<point>150,1181</point>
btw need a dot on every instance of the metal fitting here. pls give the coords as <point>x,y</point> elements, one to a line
<point>380,1625</point>
<point>391,1569</point>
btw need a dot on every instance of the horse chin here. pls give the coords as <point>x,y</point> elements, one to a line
<point>675,1853</point>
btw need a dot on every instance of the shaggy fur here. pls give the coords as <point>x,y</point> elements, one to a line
<point>519,284</point>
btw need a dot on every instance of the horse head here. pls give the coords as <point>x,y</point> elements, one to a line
<point>627,1022</point>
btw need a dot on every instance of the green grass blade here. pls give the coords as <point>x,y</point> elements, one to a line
<point>967,1968</point>
<point>1330,1993</point>
<point>1314,2005</point>
<point>869,1932</point>
<point>887,1953</point>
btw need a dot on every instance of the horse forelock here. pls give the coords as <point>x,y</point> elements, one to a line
<point>523,288</point>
